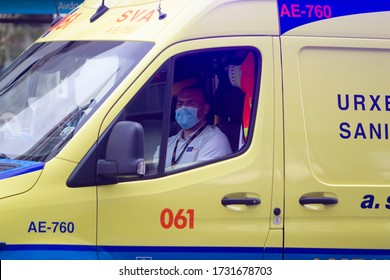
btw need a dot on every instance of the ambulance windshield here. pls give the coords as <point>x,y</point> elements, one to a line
<point>49,92</point>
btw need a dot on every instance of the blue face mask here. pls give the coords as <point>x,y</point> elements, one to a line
<point>187,117</point>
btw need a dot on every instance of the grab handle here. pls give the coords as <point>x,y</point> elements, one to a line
<point>303,200</point>
<point>244,200</point>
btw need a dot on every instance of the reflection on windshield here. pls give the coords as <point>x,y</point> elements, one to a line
<point>48,93</point>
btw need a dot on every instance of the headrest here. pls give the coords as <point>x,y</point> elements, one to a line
<point>234,74</point>
<point>229,101</point>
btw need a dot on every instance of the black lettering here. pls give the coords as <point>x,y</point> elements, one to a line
<point>388,203</point>
<point>376,131</point>
<point>344,128</point>
<point>339,102</point>
<point>387,102</point>
<point>375,105</point>
<point>32,227</point>
<point>360,131</point>
<point>122,271</point>
<point>368,202</point>
<point>42,226</point>
<point>359,100</point>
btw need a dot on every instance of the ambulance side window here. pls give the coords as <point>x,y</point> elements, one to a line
<point>227,79</point>
<point>147,108</point>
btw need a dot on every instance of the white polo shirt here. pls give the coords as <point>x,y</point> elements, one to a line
<point>210,144</point>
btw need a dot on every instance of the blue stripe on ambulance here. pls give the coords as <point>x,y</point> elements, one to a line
<point>238,253</point>
<point>79,252</point>
<point>188,253</point>
<point>331,253</point>
<point>47,252</point>
<point>11,167</point>
<point>294,13</point>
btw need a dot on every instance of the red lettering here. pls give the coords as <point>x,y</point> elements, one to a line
<point>166,218</point>
<point>327,11</point>
<point>285,11</point>
<point>191,214</point>
<point>295,10</point>
<point>308,11</point>
<point>124,16</point>
<point>148,16</point>
<point>179,220</point>
<point>68,19</point>
<point>138,15</point>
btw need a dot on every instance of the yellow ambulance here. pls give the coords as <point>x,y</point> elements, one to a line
<point>299,89</point>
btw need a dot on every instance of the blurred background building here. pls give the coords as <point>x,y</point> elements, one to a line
<point>23,21</point>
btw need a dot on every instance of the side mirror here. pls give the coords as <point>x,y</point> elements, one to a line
<point>125,151</point>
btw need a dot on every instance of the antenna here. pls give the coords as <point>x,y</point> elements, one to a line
<point>58,16</point>
<point>161,15</point>
<point>100,11</point>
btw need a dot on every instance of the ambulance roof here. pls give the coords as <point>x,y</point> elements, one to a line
<point>171,21</point>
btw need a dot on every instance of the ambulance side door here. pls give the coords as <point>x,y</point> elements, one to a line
<point>219,209</point>
<point>336,148</point>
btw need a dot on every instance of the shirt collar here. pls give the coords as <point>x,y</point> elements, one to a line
<point>189,136</point>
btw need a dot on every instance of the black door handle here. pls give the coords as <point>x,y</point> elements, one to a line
<point>244,200</point>
<point>318,200</point>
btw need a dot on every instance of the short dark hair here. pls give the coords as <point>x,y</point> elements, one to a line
<point>197,87</point>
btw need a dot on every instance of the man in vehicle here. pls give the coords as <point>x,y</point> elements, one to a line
<point>197,141</point>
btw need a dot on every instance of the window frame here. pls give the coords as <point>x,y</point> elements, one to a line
<point>254,105</point>
<point>98,150</point>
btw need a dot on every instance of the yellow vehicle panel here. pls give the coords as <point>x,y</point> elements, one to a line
<point>300,90</point>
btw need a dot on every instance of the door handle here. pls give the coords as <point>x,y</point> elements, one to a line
<point>303,200</point>
<point>244,200</point>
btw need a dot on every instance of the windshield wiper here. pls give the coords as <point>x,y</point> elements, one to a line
<point>3,156</point>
